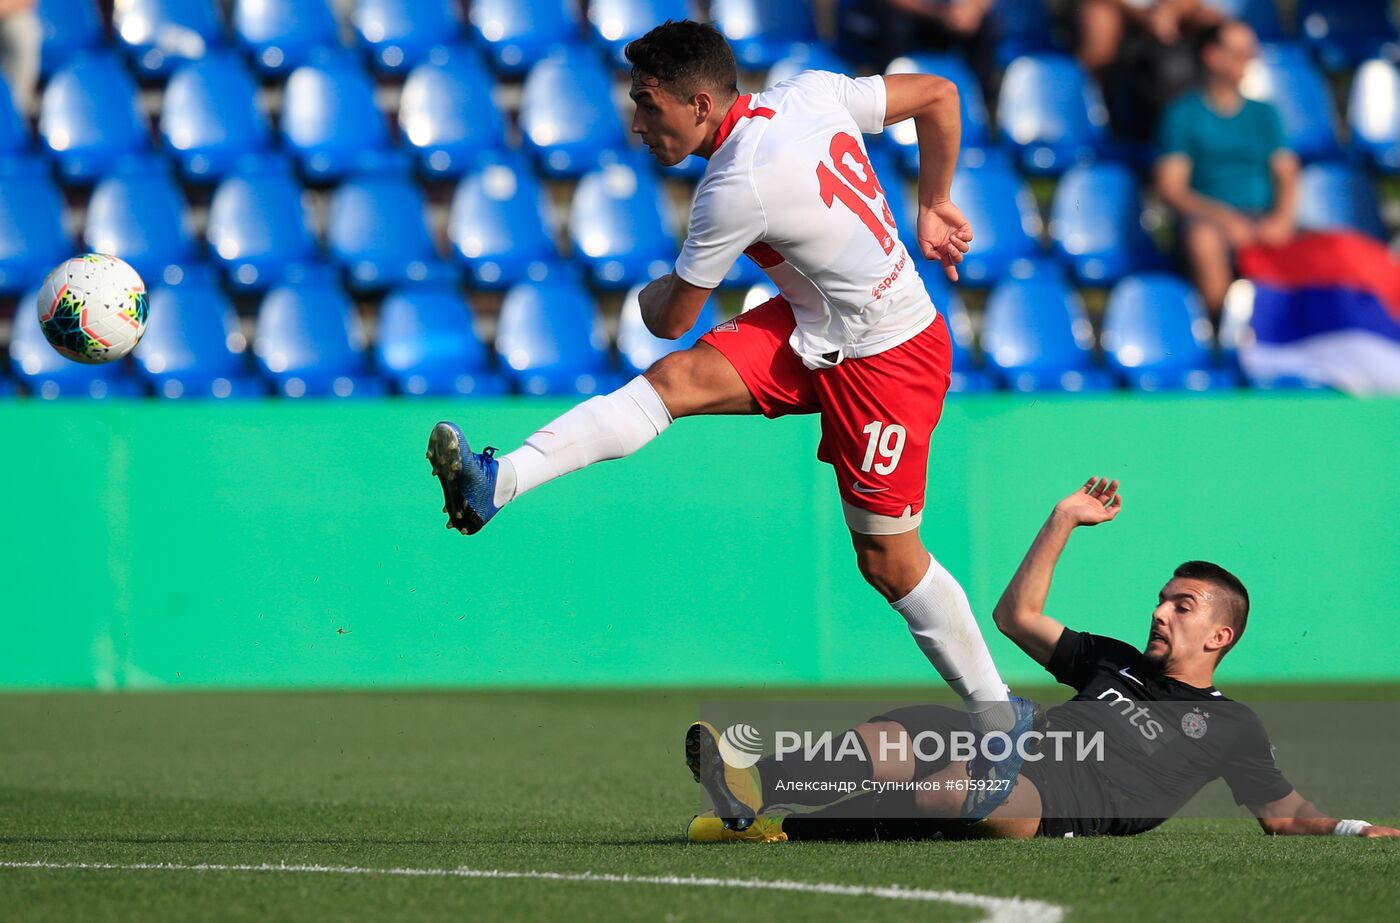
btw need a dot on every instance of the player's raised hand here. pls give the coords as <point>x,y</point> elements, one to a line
<point>1097,501</point>
<point>944,235</point>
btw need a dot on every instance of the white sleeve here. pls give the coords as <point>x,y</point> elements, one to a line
<point>862,97</point>
<point>725,218</point>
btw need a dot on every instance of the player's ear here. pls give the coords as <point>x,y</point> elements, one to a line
<point>1220,638</point>
<point>704,105</point>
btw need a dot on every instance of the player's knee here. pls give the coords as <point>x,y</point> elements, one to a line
<point>674,378</point>
<point>892,574</point>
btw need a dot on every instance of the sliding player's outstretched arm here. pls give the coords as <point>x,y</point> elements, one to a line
<point>1294,815</point>
<point>932,102</point>
<point>1020,613</point>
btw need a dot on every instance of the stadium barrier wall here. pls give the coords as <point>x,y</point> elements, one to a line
<point>286,543</point>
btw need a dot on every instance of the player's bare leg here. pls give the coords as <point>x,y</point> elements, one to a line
<point>476,485</point>
<point>941,621</point>
<point>699,381</point>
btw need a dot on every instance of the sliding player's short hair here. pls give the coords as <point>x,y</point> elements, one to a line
<point>687,57</point>
<point>1234,597</point>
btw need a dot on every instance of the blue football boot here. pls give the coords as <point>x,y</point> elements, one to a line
<point>1001,774</point>
<point>468,479</point>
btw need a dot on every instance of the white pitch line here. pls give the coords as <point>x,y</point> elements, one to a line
<point>998,909</point>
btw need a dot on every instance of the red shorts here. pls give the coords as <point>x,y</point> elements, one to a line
<point>877,413</point>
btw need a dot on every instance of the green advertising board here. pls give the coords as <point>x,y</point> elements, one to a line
<point>285,543</point>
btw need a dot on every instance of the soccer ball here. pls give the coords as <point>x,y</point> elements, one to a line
<point>92,308</point>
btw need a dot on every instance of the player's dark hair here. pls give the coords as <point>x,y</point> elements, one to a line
<point>687,57</point>
<point>1236,597</point>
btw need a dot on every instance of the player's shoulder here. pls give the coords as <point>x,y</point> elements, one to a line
<point>1104,649</point>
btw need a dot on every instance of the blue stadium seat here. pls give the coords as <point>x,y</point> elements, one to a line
<point>617,22</point>
<point>1023,27</point>
<point>32,239</point>
<point>520,33</point>
<point>376,231</point>
<point>968,377</point>
<point>68,28</point>
<point>257,224</point>
<point>1345,32</point>
<point>500,225</point>
<point>1156,334</point>
<point>618,223</point>
<point>1285,76</point>
<point>330,121</point>
<point>192,346</point>
<point>1036,335</point>
<point>426,344</point>
<point>814,57</point>
<point>1336,196</point>
<point>550,339</point>
<point>138,214</point>
<point>1004,219</point>
<point>90,115</point>
<point>309,340</point>
<point>48,375</point>
<point>160,34</point>
<point>1374,112</point>
<point>282,35</point>
<point>1051,112</point>
<point>1096,224</point>
<point>400,33</point>
<point>763,32</point>
<point>210,116</point>
<point>567,114</point>
<point>447,114</point>
<point>14,133</point>
<point>638,347</point>
<point>1261,15</point>
<point>976,133</point>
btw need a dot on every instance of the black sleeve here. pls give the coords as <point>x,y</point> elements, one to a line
<point>1077,653</point>
<point>1250,771</point>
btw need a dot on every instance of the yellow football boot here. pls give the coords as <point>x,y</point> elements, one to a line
<point>708,828</point>
<point>734,790</point>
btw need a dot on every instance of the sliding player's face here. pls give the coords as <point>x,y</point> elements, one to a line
<point>671,128</point>
<point>1184,622</point>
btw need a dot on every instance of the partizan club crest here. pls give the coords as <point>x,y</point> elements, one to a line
<point>1193,723</point>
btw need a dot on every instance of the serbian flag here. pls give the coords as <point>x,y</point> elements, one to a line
<point>1326,308</point>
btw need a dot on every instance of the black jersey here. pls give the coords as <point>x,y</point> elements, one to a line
<point>1163,741</point>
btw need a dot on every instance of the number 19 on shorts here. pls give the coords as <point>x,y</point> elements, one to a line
<point>886,442</point>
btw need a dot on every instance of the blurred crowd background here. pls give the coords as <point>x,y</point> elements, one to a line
<point>360,197</point>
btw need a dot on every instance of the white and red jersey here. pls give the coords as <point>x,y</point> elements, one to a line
<point>790,184</point>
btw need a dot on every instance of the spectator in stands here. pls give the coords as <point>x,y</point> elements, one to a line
<point>887,29</point>
<point>1142,55</point>
<point>1223,166</point>
<point>20,37</point>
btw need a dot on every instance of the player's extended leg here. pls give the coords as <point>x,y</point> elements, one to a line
<point>878,418</point>
<point>940,618</point>
<point>476,485</point>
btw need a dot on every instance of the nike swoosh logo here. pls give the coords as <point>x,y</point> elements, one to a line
<point>1124,672</point>
<point>862,489</point>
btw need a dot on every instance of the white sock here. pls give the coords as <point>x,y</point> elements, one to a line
<point>608,426</point>
<point>942,624</point>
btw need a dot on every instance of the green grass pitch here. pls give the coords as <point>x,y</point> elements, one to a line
<point>565,782</point>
